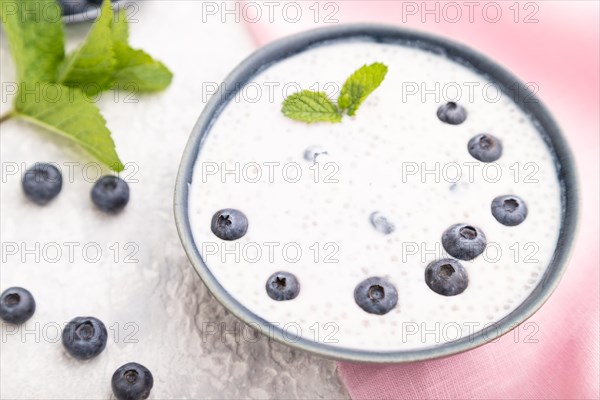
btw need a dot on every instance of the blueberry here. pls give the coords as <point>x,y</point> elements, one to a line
<point>485,147</point>
<point>282,286</point>
<point>42,183</point>
<point>110,194</point>
<point>313,153</point>
<point>509,210</point>
<point>446,277</point>
<point>132,381</point>
<point>376,295</point>
<point>452,113</point>
<point>381,223</point>
<point>16,305</point>
<point>229,224</point>
<point>84,337</point>
<point>70,7</point>
<point>463,241</point>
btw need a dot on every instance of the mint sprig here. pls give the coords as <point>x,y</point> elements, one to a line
<point>50,84</point>
<point>360,85</point>
<point>93,63</point>
<point>309,106</point>
<point>71,115</point>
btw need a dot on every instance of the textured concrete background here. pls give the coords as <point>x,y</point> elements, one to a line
<point>130,270</point>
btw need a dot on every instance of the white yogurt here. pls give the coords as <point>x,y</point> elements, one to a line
<point>379,159</point>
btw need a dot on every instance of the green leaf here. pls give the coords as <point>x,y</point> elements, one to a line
<point>135,69</point>
<point>35,35</point>
<point>92,65</point>
<point>309,106</point>
<point>119,27</point>
<point>360,85</point>
<point>67,112</point>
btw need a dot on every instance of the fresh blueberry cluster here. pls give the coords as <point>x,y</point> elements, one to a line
<point>83,338</point>
<point>463,241</point>
<point>43,182</point>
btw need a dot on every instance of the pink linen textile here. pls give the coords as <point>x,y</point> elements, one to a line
<point>555,45</point>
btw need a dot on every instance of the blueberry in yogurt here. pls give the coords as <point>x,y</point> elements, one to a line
<point>381,223</point>
<point>229,224</point>
<point>312,153</point>
<point>110,194</point>
<point>376,295</point>
<point>509,210</point>
<point>452,113</point>
<point>485,147</point>
<point>132,381</point>
<point>464,241</point>
<point>42,182</point>
<point>84,337</point>
<point>16,305</point>
<point>282,286</point>
<point>446,277</point>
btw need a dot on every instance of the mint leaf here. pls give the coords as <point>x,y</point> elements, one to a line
<point>93,64</point>
<point>360,85</point>
<point>136,68</point>
<point>50,94</point>
<point>120,27</point>
<point>309,106</point>
<point>67,112</point>
<point>35,34</point>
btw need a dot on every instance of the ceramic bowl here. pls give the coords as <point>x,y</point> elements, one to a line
<point>387,34</point>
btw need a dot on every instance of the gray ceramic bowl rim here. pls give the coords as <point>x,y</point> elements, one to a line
<point>288,46</point>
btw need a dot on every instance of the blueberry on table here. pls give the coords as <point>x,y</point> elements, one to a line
<point>452,113</point>
<point>42,182</point>
<point>464,241</point>
<point>381,223</point>
<point>110,194</point>
<point>132,381</point>
<point>376,295</point>
<point>282,286</point>
<point>485,147</point>
<point>84,337</point>
<point>229,224</point>
<point>446,277</point>
<point>16,305</point>
<point>509,210</point>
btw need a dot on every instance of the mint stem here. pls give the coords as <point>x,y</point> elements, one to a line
<point>7,116</point>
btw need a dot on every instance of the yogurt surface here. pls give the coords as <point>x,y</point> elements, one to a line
<point>312,217</point>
